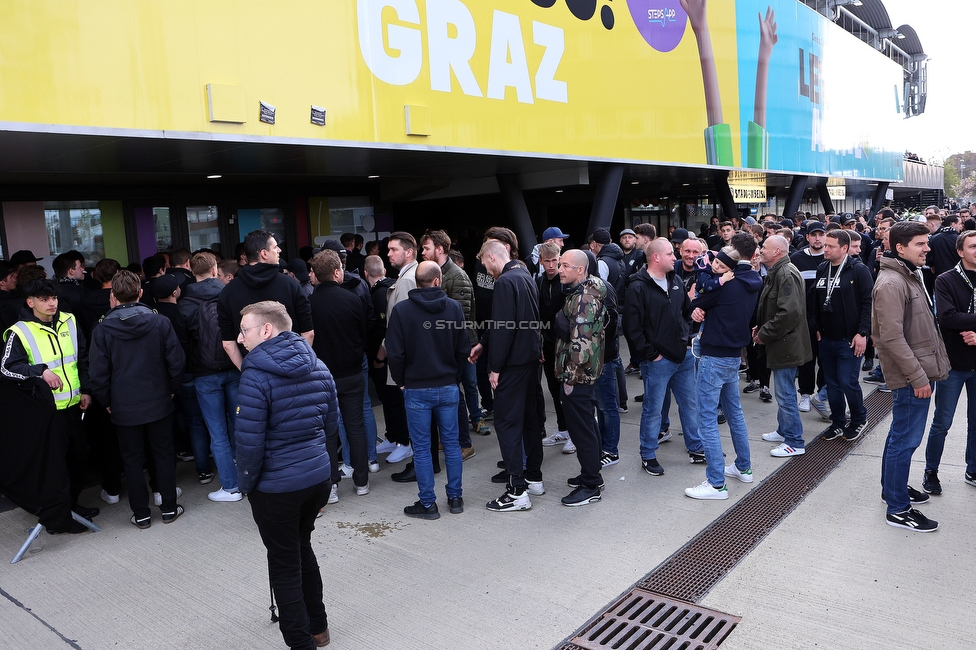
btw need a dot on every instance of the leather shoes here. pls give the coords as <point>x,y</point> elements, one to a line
<point>321,640</point>
<point>87,513</point>
<point>408,475</point>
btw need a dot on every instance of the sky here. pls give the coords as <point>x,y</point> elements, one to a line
<point>945,29</point>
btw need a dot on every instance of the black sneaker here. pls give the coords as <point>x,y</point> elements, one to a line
<point>639,398</point>
<point>833,433</point>
<point>912,520</point>
<point>765,395</point>
<point>874,379</point>
<point>868,365</point>
<point>721,417</point>
<point>971,479</point>
<point>500,464</point>
<point>87,513</point>
<point>853,432</point>
<point>930,482</point>
<point>663,436</point>
<point>141,524</point>
<point>500,477</point>
<point>914,496</point>
<point>511,501</point>
<point>751,387</point>
<point>581,496</point>
<point>185,456</point>
<point>205,477</point>
<point>419,511</point>
<point>652,467</point>
<point>576,482</point>
<point>696,457</point>
<point>170,517</point>
<point>456,504</point>
<point>489,414</point>
<point>608,459</point>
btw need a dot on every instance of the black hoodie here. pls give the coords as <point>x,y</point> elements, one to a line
<point>257,282</point>
<point>426,343</point>
<point>135,364</point>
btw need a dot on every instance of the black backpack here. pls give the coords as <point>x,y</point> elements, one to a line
<point>207,341</point>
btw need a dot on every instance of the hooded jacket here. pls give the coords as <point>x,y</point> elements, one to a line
<point>580,333</point>
<point>189,304</point>
<point>286,406</point>
<point>782,317</point>
<point>426,340</point>
<point>257,282</point>
<point>655,321</point>
<point>613,256</point>
<point>135,364</point>
<point>728,312</point>
<point>340,327</point>
<point>903,327</point>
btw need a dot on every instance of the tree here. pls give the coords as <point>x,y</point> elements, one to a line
<point>965,190</point>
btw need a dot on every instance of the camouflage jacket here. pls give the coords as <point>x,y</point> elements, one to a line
<point>579,333</point>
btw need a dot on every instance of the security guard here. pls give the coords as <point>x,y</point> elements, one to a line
<point>46,343</point>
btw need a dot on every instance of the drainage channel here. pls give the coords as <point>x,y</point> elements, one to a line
<point>659,613</point>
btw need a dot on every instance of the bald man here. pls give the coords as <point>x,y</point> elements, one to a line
<point>781,326</point>
<point>657,318</point>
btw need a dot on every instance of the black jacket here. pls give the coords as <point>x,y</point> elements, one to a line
<point>70,293</point>
<point>94,305</point>
<point>953,299</point>
<point>257,282</point>
<point>728,313</point>
<point>190,300</point>
<point>552,297</point>
<point>613,256</point>
<point>513,338</point>
<point>850,302</point>
<point>943,255</point>
<point>340,329</point>
<point>426,341</point>
<point>377,331</point>
<point>657,322</point>
<point>135,364</point>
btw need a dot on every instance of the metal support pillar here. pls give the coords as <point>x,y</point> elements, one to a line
<point>725,195</point>
<point>877,201</point>
<point>519,213</point>
<point>605,199</point>
<point>825,200</point>
<point>798,185</point>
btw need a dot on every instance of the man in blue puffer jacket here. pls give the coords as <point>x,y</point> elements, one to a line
<point>286,405</point>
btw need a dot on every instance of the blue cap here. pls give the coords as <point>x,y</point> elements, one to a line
<point>553,233</point>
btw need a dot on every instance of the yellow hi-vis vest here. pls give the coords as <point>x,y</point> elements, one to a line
<point>56,346</point>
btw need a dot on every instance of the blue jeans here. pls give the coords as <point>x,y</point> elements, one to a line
<point>218,401</point>
<point>442,404</point>
<point>842,370</point>
<point>369,421</point>
<point>189,408</point>
<point>607,415</point>
<point>718,383</point>
<point>908,415</point>
<point>660,376</point>
<point>788,423</point>
<point>469,381</point>
<point>947,394</point>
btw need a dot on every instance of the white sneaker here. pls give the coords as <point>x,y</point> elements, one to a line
<point>733,471</point>
<point>374,467</point>
<point>536,488</point>
<point>333,495</point>
<point>362,490</point>
<point>109,498</point>
<point>345,471</point>
<point>773,436</point>
<point>385,447</point>
<point>706,491</point>
<point>822,408</point>
<point>558,438</point>
<point>157,497</point>
<point>223,496</point>
<point>569,447</point>
<point>402,452</point>
<point>804,404</point>
<point>784,451</point>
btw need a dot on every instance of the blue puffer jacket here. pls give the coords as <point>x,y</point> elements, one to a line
<point>287,403</point>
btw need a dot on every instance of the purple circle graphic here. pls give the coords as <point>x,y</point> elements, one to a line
<point>660,22</point>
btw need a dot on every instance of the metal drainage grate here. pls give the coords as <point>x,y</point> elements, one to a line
<point>645,621</point>
<point>656,614</point>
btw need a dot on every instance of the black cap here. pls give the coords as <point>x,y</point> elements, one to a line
<point>164,285</point>
<point>298,267</point>
<point>24,256</point>
<point>333,245</point>
<point>815,226</point>
<point>679,235</point>
<point>601,236</point>
<point>847,218</point>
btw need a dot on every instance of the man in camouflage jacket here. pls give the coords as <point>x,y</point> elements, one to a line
<point>579,362</point>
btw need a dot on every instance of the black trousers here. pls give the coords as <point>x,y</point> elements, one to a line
<point>580,409</point>
<point>77,456</point>
<point>517,423</point>
<point>133,441</point>
<point>286,521</point>
<point>549,367</point>
<point>394,413</point>
<point>805,374</point>
<point>105,443</point>
<point>350,392</point>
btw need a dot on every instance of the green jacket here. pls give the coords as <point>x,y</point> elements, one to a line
<point>782,317</point>
<point>457,285</point>
<point>579,333</point>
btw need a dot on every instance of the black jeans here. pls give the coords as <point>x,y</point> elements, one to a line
<point>133,440</point>
<point>286,521</point>
<point>549,367</point>
<point>517,424</point>
<point>350,391</point>
<point>394,413</point>
<point>580,409</point>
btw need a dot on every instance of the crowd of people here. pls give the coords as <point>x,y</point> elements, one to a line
<point>264,365</point>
